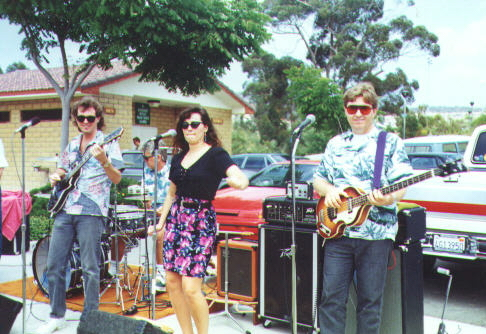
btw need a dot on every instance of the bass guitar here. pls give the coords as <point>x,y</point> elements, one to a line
<point>332,222</point>
<point>62,188</point>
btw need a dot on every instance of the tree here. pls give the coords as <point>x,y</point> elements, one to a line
<point>268,91</point>
<point>351,43</point>
<point>183,44</point>
<point>15,66</point>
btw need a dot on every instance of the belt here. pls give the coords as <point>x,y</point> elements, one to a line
<point>195,205</point>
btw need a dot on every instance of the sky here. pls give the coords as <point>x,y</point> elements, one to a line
<point>456,78</point>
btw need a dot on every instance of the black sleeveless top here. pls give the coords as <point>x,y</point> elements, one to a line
<point>201,180</point>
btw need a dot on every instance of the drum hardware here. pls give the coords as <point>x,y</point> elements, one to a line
<point>73,270</point>
<point>116,278</point>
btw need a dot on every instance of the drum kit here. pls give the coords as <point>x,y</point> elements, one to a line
<point>126,222</point>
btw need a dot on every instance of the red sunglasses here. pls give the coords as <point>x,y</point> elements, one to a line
<point>353,109</point>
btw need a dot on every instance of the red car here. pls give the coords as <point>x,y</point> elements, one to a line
<point>241,210</point>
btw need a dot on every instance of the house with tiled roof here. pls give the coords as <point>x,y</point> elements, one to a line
<point>144,109</point>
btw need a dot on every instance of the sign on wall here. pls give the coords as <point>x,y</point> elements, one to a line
<point>142,114</point>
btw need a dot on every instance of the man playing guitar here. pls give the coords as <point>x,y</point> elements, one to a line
<point>363,250</point>
<point>82,214</point>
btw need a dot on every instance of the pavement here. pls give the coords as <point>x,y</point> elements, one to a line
<point>35,313</point>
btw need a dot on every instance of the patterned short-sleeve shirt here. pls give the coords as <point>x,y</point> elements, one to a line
<point>162,183</point>
<point>91,196</point>
<point>349,160</point>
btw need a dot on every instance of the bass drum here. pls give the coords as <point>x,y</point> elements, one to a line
<point>73,270</point>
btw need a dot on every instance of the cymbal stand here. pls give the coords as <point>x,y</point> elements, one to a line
<point>116,278</point>
<point>226,311</point>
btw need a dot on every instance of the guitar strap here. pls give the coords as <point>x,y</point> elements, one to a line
<point>380,150</point>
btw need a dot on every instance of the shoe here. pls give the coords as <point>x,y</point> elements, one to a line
<point>160,283</point>
<point>52,325</point>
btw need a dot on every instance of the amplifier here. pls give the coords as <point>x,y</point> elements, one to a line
<point>278,211</point>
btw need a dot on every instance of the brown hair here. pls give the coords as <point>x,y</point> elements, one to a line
<point>363,89</point>
<point>211,135</point>
<point>87,102</point>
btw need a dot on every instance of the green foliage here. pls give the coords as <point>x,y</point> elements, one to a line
<point>39,204</point>
<point>351,43</point>
<point>418,124</point>
<point>246,139</point>
<point>268,91</point>
<point>480,120</point>
<point>40,226</point>
<point>313,94</point>
<point>15,66</point>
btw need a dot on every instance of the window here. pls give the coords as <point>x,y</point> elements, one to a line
<point>43,114</point>
<point>4,116</point>
<point>449,147</point>
<point>479,154</point>
<point>255,163</point>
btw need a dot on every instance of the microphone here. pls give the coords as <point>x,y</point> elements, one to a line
<point>443,271</point>
<point>30,123</point>
<point>308,121</point>
<point>168,133</point>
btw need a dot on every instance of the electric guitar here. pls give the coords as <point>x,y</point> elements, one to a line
<point>332,222</point>
<point>62,188</point>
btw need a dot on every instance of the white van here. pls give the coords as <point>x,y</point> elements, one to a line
<point>440,144</point>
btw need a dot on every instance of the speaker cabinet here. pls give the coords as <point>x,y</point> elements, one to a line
<point>242,269</point>
<point>275,302</point>
<point>403,307</point>
<point>9,309</point>
<point>99,322</point>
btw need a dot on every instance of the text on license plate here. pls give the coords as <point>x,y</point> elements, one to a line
<point>449,243</point>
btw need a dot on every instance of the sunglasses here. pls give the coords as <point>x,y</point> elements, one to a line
<point>193,125</point>
<point>353,109</point>
<point>81,119</point>
<point>147,157</point>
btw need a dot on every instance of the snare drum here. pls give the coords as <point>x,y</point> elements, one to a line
<point>73,270</point>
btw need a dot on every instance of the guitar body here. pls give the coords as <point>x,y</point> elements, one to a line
<point>332,222</point>
<point>60,193</point>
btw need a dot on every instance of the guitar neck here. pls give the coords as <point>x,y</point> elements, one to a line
<point>363,199</point>
<point>81,163</point>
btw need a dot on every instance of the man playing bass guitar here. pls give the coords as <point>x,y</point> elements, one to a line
<point>363,249</point>
<point>82,215</point>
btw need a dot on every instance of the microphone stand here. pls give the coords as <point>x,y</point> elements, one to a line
<point>154,235</point>
<point>292,246</point>
<point>23,229</point>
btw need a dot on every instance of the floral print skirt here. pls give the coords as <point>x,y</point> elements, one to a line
<point>190,234</point>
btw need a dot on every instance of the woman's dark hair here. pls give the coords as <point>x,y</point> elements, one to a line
<point>211,135</point>
<point>84,103</point>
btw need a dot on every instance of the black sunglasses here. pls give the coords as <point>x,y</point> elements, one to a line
<point>146,157</point>
<point>193,125</point>
<point>81,119</point>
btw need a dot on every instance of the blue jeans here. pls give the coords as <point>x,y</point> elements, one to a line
<point>367,261</point>
<point>87,230</point>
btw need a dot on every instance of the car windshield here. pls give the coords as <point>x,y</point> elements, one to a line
<point>278,175</point>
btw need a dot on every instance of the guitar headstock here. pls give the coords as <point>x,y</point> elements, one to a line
<point>114,135</point>
<point>450,167</point>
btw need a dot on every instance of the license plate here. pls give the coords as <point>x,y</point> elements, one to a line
<point>449,243</point>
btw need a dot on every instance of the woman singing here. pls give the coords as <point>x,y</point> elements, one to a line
<point>189,217</point>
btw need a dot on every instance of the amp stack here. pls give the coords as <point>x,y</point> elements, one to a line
<point>275,238</point>
<point>403,297</point>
